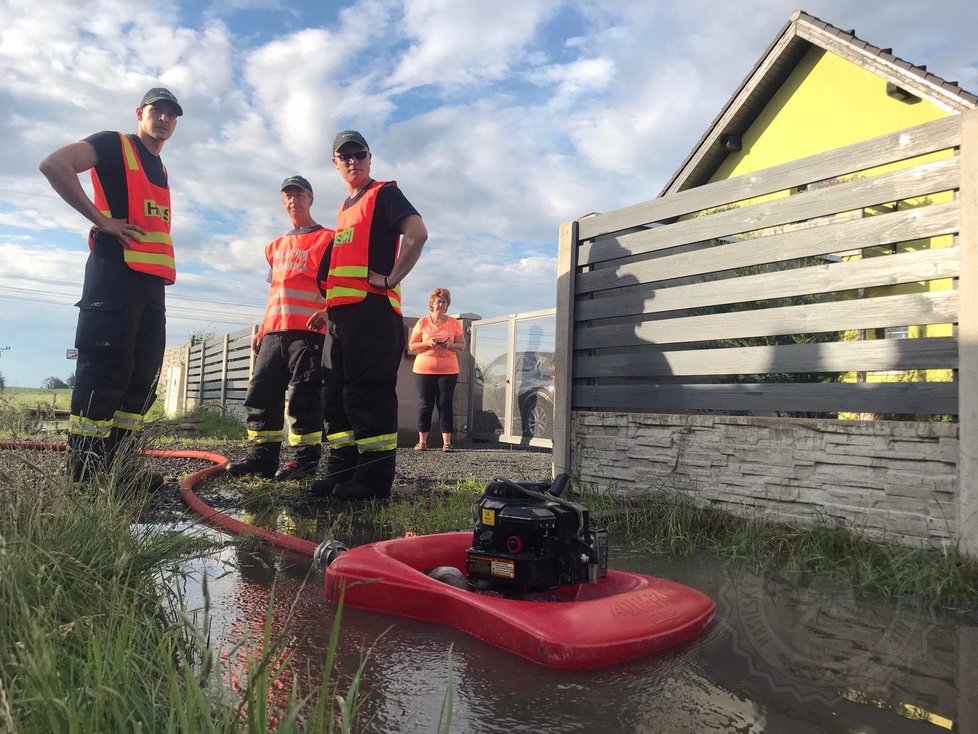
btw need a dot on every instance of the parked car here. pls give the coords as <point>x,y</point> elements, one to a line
<point>534,390</point>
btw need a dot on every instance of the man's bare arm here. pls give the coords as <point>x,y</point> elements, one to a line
<point>61,169</point>
<point>413,236</point>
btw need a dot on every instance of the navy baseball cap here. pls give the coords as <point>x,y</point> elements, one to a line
<point>349,136</point>
<point>296,181</point>
<point>159,94</point>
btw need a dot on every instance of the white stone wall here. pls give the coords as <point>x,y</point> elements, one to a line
<point>890,480</point>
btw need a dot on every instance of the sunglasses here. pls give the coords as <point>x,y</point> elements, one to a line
<point>347,157</point>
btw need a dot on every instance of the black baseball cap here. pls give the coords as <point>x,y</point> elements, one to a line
<point>349,136</point>
<point>159,94</point>
<point>296,181</point>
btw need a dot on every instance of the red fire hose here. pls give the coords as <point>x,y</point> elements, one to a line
<point>207,513</point>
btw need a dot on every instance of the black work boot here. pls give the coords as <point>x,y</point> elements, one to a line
<point>305,464</point>
<point>340,465</point>
<point>261,459</point>
<point>372,479</point>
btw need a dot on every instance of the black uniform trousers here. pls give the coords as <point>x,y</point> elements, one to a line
<point>120,337</point>
<point>287,368</point>
<point>362,352</point>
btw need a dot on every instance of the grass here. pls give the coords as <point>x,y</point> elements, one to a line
<point>96,637</point>
<point>211,424</point>
<point>443,508</point>
<point>31,397</point>
<point>669,522</point>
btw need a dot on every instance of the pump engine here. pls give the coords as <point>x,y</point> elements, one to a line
<point>527,538</point>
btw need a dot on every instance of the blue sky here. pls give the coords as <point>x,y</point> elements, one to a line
<point>499,120</point>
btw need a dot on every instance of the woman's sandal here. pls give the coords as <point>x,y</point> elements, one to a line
<point>420,447</point>
<point>448,448</point>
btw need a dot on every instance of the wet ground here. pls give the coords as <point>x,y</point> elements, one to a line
<point>418,472</point>
<point>786,654</point>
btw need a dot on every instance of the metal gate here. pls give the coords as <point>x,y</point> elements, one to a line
<point>513,379</point>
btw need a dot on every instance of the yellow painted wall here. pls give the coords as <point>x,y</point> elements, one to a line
<point>826,103</point>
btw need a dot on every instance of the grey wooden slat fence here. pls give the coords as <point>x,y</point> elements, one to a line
<point>217,372</point>
<point>219,369</point>
<point>798,270</point>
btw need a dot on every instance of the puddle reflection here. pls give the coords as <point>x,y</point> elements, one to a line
<point>784,655</point>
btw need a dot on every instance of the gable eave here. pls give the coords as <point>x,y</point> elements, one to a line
<point>801,33</point>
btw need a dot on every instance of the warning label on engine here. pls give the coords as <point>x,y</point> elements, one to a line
<point>488,516</point>
<point>505,569</point>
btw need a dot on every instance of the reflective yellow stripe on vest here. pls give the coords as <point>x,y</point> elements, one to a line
<point>340,291</point>
<point>350,271</point>
<point>160,238</point>
<point>132,162</point>
<point>148,258</point>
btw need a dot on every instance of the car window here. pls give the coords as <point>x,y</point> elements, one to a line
<point>535,362</point>
<point>496,371</point>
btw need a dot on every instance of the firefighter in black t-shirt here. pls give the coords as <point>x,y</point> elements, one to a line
<point>121,325</point>
<point>379,237</point>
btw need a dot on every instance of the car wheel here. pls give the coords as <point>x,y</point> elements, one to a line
<point>537,416</point>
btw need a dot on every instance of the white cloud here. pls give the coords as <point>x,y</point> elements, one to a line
<point>498,120</point>
<point>464,42</point>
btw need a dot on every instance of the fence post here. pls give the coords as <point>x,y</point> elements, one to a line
<point>200,382</point>
<point>224,374</point>
<point>968,340</point>
<point>564,346</point>
<point>186,379</point>
<point>251,352</point>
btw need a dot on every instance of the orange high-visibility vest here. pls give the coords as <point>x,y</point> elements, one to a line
<point>149,208</point>
<point>293,295</point>
<point>348,265</point>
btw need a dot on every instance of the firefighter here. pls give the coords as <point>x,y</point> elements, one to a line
<point>379,238</point>
<point>120,335</point>
<point>287,349</point>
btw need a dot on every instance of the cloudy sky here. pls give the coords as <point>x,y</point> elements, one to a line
<point>499,119</point>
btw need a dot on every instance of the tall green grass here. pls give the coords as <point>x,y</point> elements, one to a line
<point>670,522</point>
<point>16,421</point>
<point>95,637</point>
<point>211,425</point>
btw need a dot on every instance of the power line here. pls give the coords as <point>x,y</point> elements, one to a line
<point>77,284</point>
<point>253,225</point>
<point>173,308</point>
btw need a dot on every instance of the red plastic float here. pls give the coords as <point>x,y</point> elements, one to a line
<point>622,617</point>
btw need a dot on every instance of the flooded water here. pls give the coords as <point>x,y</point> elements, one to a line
<point>786,654</point>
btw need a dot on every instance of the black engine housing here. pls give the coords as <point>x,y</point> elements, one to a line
<point>528,539</point>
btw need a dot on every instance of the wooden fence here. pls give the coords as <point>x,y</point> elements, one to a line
<point>777,293</point>
<point>219,369</point>
<point>216,372</point>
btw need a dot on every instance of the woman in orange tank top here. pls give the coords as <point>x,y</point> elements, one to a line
<point>436,340</point>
